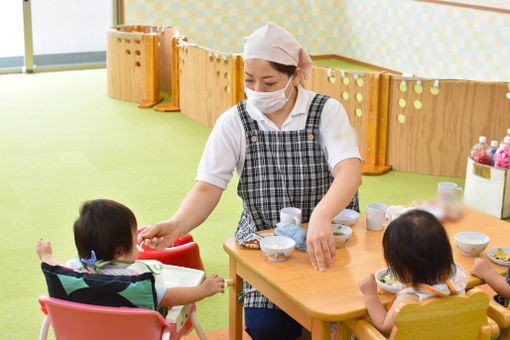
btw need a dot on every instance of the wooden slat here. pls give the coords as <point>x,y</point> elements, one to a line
<point>205,84</point>
<point>437,138</point>
<point>165,59</point>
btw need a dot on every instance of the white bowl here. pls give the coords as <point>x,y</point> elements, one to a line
<point>347,217</point>
<point>471,243</point>
<point>277,248</point>
<point>393,287</point>
<point>341,234</point>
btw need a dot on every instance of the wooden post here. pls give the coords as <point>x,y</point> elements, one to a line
<point>175,103</point>
<point>377,125</point>
<point>235,315</point>
<point>151,95</point>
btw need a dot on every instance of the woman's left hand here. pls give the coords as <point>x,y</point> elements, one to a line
<point>320,242</point>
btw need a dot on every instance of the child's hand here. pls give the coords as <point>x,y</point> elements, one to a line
<point>368,286</point>
<point>481,268</point>
<point>43,249</point>
<point>213,284</point>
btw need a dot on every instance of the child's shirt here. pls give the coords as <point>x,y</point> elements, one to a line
<point>114,268</point>
<point>454,285</point>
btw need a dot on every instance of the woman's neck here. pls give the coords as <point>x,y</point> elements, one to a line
<point>279,117</point>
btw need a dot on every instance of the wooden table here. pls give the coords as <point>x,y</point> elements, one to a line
<point>314,298</point>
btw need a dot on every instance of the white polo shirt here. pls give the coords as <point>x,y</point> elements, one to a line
<point>225,148</point>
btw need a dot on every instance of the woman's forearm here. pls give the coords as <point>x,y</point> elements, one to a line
<point>342,190</point>
<point>196,206</point>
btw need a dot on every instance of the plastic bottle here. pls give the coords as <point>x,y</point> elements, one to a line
<point>507,135</point>
<point>480,151</point>
<point>502,159</point>
<point>493,149</point>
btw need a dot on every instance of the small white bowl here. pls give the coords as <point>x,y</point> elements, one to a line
<point>471,243</point>
<point>277,248</point>
<point>341,234</point>
<point>347,216</point>
<point>391,288</point>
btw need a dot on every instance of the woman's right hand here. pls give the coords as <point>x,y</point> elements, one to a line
<point>160,235</point>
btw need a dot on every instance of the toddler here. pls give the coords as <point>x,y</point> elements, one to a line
<point>418,253</point>
<point>105,237</point>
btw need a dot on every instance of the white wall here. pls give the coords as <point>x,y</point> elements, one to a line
<point>70,26</point>
<point>11,24</point>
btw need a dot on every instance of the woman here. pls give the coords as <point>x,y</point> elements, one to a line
<point>289,147</point>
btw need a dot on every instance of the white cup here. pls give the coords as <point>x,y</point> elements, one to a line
<point>290,215</point>
<point>447,192</point>
<point>377,216</point>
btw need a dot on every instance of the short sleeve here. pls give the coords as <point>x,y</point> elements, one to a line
<point>337,136</point>
<point>222,151</point>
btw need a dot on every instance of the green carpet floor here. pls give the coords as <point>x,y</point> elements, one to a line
<point>64,141</point>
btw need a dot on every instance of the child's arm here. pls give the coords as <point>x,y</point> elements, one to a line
<point>382,320</point>
<point>45,252</point>
<point>183,295</point>
<point>484,270</point>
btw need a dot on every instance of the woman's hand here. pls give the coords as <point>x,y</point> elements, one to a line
<point>320,242</point>
<point>160,235</point>
<point>368,286</point>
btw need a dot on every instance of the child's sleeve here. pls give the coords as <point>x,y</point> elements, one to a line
<point>160,292</point>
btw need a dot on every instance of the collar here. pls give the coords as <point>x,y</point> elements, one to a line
<point>300,107</point>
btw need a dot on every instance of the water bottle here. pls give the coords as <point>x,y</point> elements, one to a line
<point>480,151</point>
<point>502,159</point>
<point>507,135</point>
<point>493,149</point>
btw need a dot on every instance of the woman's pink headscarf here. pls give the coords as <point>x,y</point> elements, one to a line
<point>273,43</point>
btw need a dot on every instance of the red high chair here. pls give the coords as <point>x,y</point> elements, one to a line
<point>78,321</point>
<point>184,253</point>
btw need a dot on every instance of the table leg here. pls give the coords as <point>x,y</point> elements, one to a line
<point>320,330</point>
<point>235,313</point>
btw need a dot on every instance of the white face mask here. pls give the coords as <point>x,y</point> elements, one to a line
<point>268,102</point>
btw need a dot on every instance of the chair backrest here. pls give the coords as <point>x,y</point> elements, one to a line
<point>454,317</point>
<point>78,321</point>
<point>184,255</point>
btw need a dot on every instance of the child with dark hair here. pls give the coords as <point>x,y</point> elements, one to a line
<point>105,236</point>
<point>418,253</point>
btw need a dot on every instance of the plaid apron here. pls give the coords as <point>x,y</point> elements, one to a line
<point>281,169</point>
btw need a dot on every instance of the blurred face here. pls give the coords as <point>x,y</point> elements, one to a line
<point>260,76</point>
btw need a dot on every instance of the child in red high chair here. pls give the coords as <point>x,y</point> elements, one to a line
<point>418,253</point>
<point>105,236</point>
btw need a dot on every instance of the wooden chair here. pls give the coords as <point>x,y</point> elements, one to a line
<point>501,315</point>
<point>455,317</point>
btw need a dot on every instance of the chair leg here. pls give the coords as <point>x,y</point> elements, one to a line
<point>197,327</point>
<point>166,335</point>
<point>44,328</point>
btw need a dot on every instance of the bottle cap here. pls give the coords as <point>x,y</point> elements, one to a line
<point>482,139</point>
<point>507,140</point>
<point>494,143</point>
